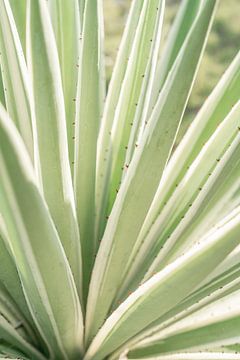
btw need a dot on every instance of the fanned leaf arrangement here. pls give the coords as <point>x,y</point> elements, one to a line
<point>115,241</point>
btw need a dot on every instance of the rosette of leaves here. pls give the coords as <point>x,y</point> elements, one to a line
<point>112,245</point>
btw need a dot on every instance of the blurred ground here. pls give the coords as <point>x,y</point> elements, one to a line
<point>223,43</point>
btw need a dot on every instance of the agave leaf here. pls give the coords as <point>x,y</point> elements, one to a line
<point>36,248</point>
<point>203,355</point>
<point>10,280</point>
<point>221,330</point>
<point>15,77</point>
<point>144,174</point>
<point>148,36</point>
<point>178,32</point>
<point>231,263</point>
<point>164,290</point>
<point>51,149</point>
<point>66,24</point>
<point>104,139</point>
<point>86,132</point>
<point>181,213</point>
<point>225,283</point>
<point>140,118</point>
<point>9,335</point>
<point>216,108</point>
<point>209,206</point>
<point>10,311</point>
<point>19,13</point>
<point>102,69</point>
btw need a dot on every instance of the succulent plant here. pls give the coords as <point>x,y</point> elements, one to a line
<point>115,241</point>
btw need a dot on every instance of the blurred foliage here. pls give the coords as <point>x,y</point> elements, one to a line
<point>223,44</point>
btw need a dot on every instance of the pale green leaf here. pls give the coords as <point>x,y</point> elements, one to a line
<point>178,32</point>
<point>217,106</point>
<point>148,36</point>
<point>10,336</point>
<point>37,250</point>
<point>51,148</point>
<point>9,280</point>
<point>202,355</point>
<point>66,25</point>
<point>15,77</point>
<point>195,203</point>
<point>163,291</point>
<point>86,133</point>
<point>144,173</point>
<point>104,140</point>
<point>224,332</point>
<point>19,12</point>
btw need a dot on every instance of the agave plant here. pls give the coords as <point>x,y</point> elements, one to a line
<point>114,246</point>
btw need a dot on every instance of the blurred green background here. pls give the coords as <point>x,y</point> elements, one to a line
<point>223,44</point>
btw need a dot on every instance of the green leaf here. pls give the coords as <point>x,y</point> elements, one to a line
<point>141,117</point>
<point>148,36</point>
<point>9,279</point>
<point>144,174</point>
<point>37,250</point>
<point>9,335</point>
<point>220,331</point>
<point>164,290</point>
<point>178,32</point>
<point>203,355</point>
<point>51,149</point>
<point>66,25</point>
<point>104,140</point>
<point>101,64</point>
<point>19,13</point>
<point>15,76</point>
<point>219,287</point>
<point>86,132</point>
<point>216,108</point>
<point>10,311</point>
<point>195,203</point>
